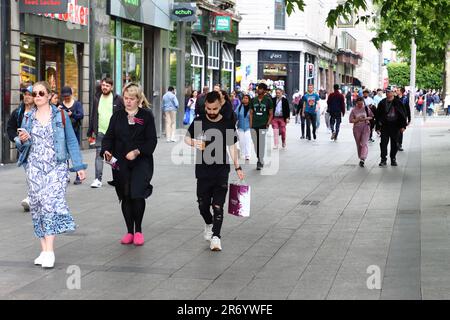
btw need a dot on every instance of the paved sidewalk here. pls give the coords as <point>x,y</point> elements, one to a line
<point>315,228</point>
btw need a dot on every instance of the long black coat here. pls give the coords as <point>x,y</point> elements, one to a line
<point>133,177</point>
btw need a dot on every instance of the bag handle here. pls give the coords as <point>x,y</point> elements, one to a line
<point>63,117</point>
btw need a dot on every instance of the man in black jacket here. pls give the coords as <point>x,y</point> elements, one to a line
<point>15,121</point>
<point>390,122</point>
<point>405,102</point>
<point>281,115</point>
<point>104,106</point>
<point>336,108</point>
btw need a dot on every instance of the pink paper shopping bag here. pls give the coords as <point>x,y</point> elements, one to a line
<point>239,200</point>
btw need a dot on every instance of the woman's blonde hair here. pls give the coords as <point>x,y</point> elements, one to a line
<point>45,84</point>
<point>136,90</point>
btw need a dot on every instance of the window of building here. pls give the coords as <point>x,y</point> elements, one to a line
<point>131,62</point>
<point>71,68</point>
<point>227,68</point>
<point>213,55</point>
<point>198,62</point>
<point>28,64</point>
<point>280,15</point>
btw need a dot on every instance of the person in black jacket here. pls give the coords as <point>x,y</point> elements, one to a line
<point>390,122</point>
<point>405,102</point>
<point>15,121</point>
<point>128,146</point>
<point>104,106</point>
<point>281,115</point>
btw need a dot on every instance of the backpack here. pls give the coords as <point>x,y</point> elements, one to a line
<point>420,101</point>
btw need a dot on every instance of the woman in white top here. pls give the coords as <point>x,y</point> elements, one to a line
<point>191,105</point>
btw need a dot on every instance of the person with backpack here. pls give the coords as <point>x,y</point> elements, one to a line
<point>336,107</point>
<point>15,121</point>
<point>243,126</point>
<point>74,109</point>
<point>361,116</point>
<point>281,114</point>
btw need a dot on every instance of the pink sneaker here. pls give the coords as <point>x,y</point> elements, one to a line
<point>138,239</point>
<point>127,239</point>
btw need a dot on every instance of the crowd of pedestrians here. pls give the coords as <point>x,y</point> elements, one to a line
<point>46,129</point>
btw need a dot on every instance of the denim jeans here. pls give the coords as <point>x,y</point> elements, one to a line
<point>98,159</point>
<point>335,119</point>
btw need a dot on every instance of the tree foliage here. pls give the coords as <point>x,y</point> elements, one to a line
<point>398,21</point>
<point>428,77</point>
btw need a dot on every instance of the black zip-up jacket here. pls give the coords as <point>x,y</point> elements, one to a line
<point>285,107</point>
<point>15,121</point>
<point>380,115</point>
<point>93,119</point>
<point>405,102</point>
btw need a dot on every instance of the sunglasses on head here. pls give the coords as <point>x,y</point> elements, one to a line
<point>41,93</point>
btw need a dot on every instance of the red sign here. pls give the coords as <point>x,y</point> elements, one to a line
<point>76,14</point>
<point>42,6</point>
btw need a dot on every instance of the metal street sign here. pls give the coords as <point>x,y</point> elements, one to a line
<point>43,6</point>
<point>184,12</point>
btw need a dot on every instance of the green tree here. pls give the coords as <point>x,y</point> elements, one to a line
<point>428,77</point>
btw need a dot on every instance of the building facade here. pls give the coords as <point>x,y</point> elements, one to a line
<point>43,47</point>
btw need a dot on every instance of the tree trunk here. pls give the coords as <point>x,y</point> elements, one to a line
<point>412,85</point>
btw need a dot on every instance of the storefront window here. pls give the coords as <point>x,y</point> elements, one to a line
<point>28,66</point>
<point>132,32</point>
<point>173,68</point>
<point>104,58</point>
<point>131,62</point>
<point>71,63</point>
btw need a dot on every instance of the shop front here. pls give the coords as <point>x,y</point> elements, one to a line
<point>281,69</point>
<point>52,47</point>
<point>128,46</point>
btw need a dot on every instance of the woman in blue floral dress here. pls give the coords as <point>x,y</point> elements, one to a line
<point>45,144</point>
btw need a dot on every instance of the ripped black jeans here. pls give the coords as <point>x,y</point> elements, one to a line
<point>212,192</point>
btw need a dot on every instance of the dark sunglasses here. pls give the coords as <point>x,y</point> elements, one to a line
<point>41,93</point>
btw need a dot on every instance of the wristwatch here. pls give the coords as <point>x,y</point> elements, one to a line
<point>238,168</point>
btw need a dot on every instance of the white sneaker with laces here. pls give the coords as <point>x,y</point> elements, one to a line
<point>26,204</point>
<point>215,244</point>
<point>48,260</point>
<point>207,235</point>
<point>38,260</point>
<point>96,184</point>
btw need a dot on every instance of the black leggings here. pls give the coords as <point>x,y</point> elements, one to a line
<point>133,212</point>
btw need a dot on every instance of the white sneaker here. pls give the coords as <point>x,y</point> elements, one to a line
<point>207,235</point>
<point>215,244</point>
<point>48,260</point>
<point>96,184</point>
<point>26,204</point>
<point>38,260</point>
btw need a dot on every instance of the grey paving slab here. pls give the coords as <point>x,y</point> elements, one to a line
<point>354,217</point>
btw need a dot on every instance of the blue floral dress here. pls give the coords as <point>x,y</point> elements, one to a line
<point>47,183</point>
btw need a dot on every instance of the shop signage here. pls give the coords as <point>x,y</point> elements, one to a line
<point>149,12</point>
<point>184,12</point>
<point>75,14</point>
<point>273,56</point>
<point>198,26</point>
<point>43,6</point>
<point>223,24</point>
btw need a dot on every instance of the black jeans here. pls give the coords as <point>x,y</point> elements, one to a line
<point>389,133</point>
<point>311,119</point>
<point>302,121</point>
<point>335,118</point>
<point>212,192</point>
<point>400,139</point>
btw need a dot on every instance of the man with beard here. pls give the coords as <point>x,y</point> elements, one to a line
<point>211,135</point>
<point>104,107</point>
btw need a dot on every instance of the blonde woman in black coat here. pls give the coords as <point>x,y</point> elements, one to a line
<point>129,144</point>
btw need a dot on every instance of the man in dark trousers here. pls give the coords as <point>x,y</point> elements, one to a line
<point>336,108</point>
<point>390,122</point>
<point>104,106</point>
<point>405,102</point>
<point>212,134</point>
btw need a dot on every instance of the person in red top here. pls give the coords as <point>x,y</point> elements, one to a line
<point>336,107</point>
